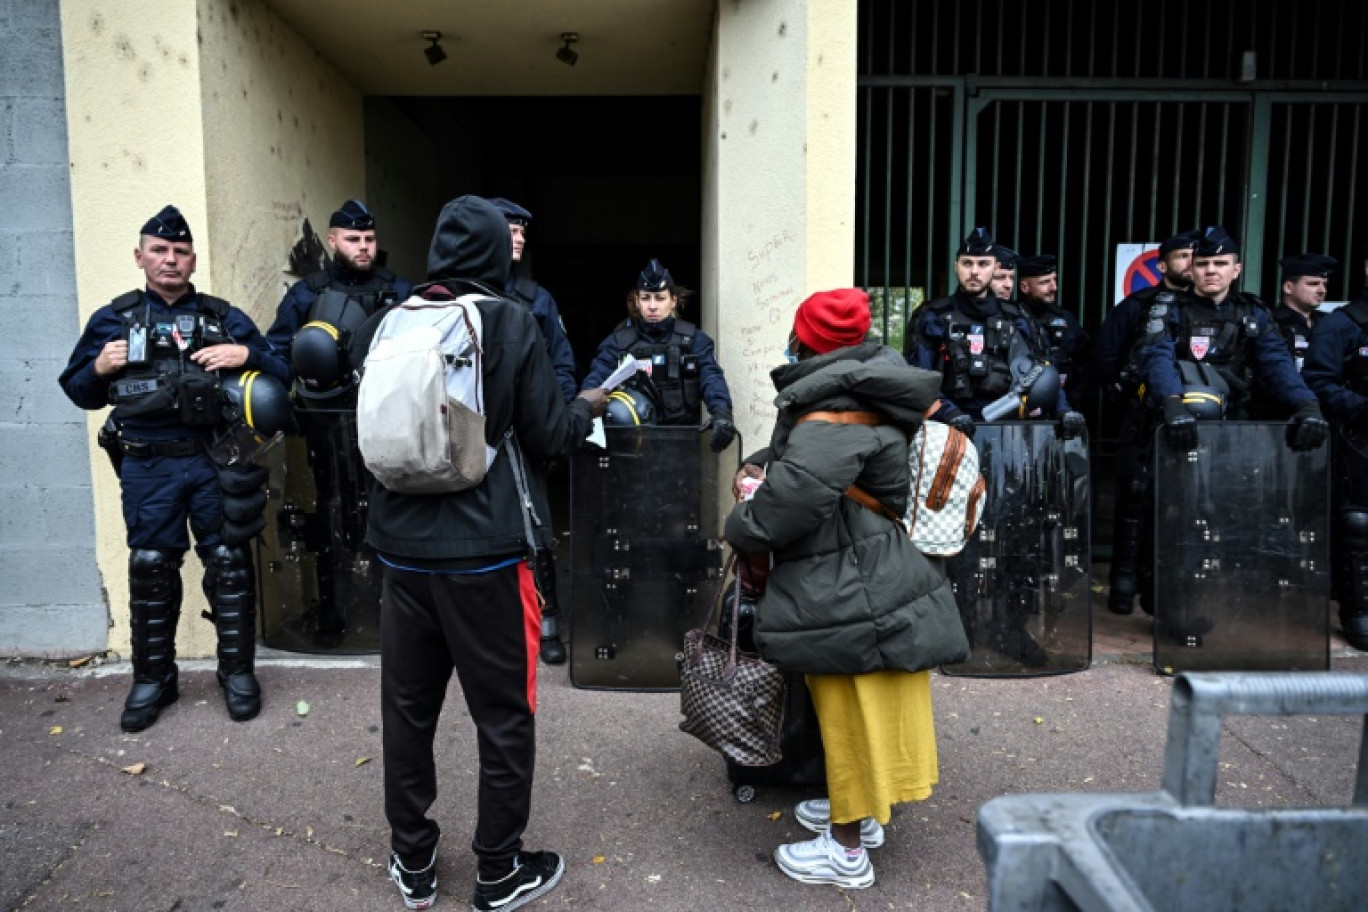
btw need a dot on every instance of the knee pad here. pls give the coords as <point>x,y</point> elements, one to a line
<point>228,571</point>
<point>153,575</point>
<point>1352,525</point>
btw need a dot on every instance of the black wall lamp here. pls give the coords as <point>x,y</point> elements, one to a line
<point>433,52</point>
<point>566,54</point>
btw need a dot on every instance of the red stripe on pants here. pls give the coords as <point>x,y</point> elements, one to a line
<point>532,615</point>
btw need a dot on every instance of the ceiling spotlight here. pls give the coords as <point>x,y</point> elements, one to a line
<point>433,52</point>
<point>566,54</point>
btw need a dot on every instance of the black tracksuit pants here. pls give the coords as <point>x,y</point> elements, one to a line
<point>487,626</point>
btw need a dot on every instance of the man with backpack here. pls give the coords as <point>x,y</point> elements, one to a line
<point>457,588</point>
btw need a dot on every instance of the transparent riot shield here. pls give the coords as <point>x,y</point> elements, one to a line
<point>1023,581</point>
<point>319,585</point>
<point>1242,552</point>
<point>645,552</point>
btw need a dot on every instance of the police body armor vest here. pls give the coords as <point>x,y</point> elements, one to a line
<point>1217,339</point>
<point>674,369</point>
<point>978,350</point>
<point>345,308</point>
<point>1052,337</point>
<point>1294,331</point>
<point>161,383</point>
<point>1356,368</point>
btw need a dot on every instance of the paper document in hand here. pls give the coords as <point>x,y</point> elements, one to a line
<point>627,368</point>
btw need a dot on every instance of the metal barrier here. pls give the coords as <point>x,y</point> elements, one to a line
<point>1172,849</point>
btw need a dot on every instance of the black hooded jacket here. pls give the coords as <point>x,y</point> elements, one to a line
<point>472,252</point>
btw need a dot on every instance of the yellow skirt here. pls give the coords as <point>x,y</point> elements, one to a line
<point>880,741</point>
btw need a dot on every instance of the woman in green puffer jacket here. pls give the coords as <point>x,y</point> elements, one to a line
<point>850,602</point>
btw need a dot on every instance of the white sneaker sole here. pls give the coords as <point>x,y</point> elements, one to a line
<point>836,880</point>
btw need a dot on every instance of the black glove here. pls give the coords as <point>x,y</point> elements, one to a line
<point>1072,424</point>
<point>723,432</point>
<point>963,423</point>
<point>1308,428</point>
<point>1180,427</point>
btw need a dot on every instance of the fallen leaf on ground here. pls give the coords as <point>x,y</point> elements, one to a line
<point>55,730</point>
<point>77,663</point>
<point>361,761</point>
<point>776,815</point>
<point>136,769</point>
<point>1039,720</point>
<point>302,708</point>
<point>598,859</point>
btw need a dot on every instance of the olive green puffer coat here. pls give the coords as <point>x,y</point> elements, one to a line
<point>849,593</point>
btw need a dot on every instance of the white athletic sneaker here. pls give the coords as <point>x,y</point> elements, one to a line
<point>825,861</point>
<point>815,815</point>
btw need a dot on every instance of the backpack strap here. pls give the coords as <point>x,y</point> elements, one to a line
<point>854,492</point>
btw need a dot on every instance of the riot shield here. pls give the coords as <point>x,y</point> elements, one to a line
<point>1242,552</point>
<point>319,585</point>
<point>645,552</point>
<point>1023,581</point>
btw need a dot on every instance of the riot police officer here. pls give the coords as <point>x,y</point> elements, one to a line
<point>325,321</point>
<point>521,287</point>
<point>684,371</point>
<point>975,341</point>
<point>982,347</point>
<point>1305,278</point>
<point>1003,284</point>
<point>1115,371</point>
<point>1059,337</point>
<point>1200,355</point>
<point>155,354</point>
<point>1336,369</point>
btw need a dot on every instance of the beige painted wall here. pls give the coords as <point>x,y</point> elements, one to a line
<point>779,181</point>
<point>219,108</point>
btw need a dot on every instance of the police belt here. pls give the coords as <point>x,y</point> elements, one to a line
<point>148,449</point>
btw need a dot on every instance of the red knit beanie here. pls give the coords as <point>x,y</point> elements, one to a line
<point>833,319</point>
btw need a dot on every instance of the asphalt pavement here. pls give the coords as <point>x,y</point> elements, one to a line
<point>286,811</point>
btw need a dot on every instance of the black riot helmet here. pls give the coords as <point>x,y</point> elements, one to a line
<point>318,358</point>
<point>628,407</point>
<point>1206,403</point>
<point>257,414</point>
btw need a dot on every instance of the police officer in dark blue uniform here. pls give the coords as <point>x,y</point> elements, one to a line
<point>156,355</point>
<point>1115,372</point>
<point>978,343</point>
<point>685,374</point>
<point>1003,284</point>
<point>1336,370</point>
<point>521,287</point>
<point>1058,334</point>
<point>325,322</point>
<point>1305,278</point>
<point>973,339</point>
<point>1201,354</point>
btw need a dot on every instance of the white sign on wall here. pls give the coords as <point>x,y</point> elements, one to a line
<point>1137,268</point>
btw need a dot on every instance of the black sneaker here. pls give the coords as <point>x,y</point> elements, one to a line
<point>533,875</point>
<point>419,888</point>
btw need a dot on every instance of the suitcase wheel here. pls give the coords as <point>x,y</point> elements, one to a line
<point>744,793</point>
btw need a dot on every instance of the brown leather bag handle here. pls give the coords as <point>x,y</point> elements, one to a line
<point>854,492</point>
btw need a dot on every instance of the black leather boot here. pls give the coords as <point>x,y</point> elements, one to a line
<point>1128,547</point>
<point>229,583</point>
<point>155,588</point>
<point>552,649</point>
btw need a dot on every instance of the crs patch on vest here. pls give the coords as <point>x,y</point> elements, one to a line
<point>1199,346</point>
<point>975,337</point>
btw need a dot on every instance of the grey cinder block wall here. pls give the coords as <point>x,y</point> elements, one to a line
<point>51,600</point>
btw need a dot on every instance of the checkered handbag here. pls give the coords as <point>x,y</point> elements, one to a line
<point>947,490</point>
<point>732,700</point>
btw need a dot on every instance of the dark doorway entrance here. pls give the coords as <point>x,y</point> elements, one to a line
<point>611,182</point>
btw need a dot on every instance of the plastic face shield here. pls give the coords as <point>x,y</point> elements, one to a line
<point>239,445</point>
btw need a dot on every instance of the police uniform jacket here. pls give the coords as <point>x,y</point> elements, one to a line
<point>712,382</point>
<point>848,593</point>
<point>1266,354</point>
<point>928,347</point>
<point>1121,330</point>
<point>547,315</point>
<point>1336,367</point>
<point>91,391</point>
<point>1295,330</point>
<point>1069,347</point>
<point>483,527</point>
<point>294,308</point>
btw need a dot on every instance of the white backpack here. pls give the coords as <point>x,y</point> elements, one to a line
<point>947,489</point>
<point>420,406</point>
